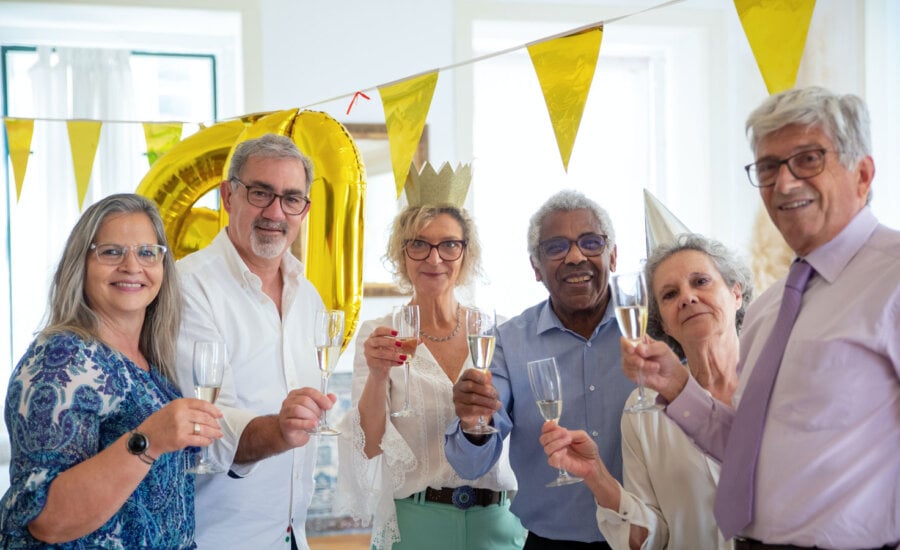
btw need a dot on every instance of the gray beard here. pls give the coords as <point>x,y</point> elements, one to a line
<point>267,247</point>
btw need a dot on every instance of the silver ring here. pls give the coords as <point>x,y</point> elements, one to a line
<point>196,429</point>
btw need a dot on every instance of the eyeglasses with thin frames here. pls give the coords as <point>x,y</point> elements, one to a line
<point>557,248</point>
<point>802,165</point>
<point>292,204</point>
<point>148,255</point>
<point>449,250</point>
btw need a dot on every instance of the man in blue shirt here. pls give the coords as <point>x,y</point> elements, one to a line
<point>572,246</point>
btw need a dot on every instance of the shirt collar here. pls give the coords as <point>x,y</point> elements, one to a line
<point>547,319</point>
<point>291,267</point>
<point>832,257</point>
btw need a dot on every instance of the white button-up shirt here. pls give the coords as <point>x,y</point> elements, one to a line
<point>267,356</point>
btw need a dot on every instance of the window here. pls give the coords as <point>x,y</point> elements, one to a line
<point>674,87</point>
<point>92,84</point>
<point>157,66</point>
<point>630,138</point>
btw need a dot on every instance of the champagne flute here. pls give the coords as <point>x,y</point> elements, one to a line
<point>406,323</point>
<point>629,294</point>
<point>481,330</point>
<point>329,336</point>
<point>544,377</point>
<point>209,366</point>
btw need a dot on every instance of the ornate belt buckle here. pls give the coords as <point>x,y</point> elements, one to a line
<point>463,497</point>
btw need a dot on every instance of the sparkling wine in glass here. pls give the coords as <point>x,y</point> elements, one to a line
<point>329,336</point>
<point>406,323</point>
<point>544,377</point>
<point>481,330</point>
<point>209,366</point>
<point>630,300</point>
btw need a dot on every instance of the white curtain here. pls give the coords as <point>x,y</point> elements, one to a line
<point>66,83</point>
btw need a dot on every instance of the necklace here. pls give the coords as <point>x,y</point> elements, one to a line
<point>444,338</point>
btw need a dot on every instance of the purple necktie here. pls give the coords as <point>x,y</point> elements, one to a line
<point>734,497</point>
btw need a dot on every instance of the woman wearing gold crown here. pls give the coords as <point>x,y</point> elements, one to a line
<point>393,470</point>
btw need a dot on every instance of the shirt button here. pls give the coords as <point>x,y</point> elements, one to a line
<point>686,414</point>
<point>595,433</point>
<point>588,344</point>
<point>591,387</point>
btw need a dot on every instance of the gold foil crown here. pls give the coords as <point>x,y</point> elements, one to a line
<point>430,188</point>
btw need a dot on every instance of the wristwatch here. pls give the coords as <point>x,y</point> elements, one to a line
<point>137,445</point>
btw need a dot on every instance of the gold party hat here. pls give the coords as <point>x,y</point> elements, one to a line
<point>446,186</point>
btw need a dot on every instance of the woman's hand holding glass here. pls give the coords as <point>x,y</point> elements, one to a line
<point>572,450</point>
<point>543,375</point>
<point>656,365</point>
<point>181,423</point>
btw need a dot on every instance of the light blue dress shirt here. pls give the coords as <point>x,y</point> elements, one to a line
<point>594,391</point>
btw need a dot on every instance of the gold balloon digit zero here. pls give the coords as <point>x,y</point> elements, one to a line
<point>331,243</point>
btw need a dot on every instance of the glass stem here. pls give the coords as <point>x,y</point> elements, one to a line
<point>406,381</point>
<point>641,396</point>
<point>324,420</point>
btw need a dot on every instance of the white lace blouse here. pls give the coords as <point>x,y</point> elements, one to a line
<point>413,447</point>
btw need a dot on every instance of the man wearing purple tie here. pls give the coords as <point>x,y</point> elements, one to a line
<point>810,454</point>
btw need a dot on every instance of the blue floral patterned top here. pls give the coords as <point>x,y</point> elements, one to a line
<point>68,399</point>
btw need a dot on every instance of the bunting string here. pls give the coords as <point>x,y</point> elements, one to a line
<point>464,63</point>
<point>564,64</point>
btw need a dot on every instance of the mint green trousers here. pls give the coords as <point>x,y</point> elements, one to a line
<point>445,527</point>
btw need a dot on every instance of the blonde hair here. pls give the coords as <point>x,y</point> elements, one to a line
<point>411,220</point>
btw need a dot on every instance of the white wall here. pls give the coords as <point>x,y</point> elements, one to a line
<point>316,50</point>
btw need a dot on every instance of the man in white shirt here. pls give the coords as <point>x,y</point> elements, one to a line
<point>249,291</point>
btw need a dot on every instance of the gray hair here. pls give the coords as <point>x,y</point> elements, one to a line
<point>844,118</point>
<point>271,146</point>
<point>733,271</point>
<point>69,310</point>
<point>410,221</point>
<point>565,201</point>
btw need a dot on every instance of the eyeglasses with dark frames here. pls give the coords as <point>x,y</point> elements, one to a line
<point>450,250</point>
<point>556,248</point>
<point>148,255</point>
<point>292,204</point>
<point>802,165</point>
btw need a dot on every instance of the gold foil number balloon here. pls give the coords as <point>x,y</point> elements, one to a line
<point>331,244</point>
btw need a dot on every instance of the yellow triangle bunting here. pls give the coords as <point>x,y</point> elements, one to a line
<point>18,135</point>
<point>84,136</point>
<point>160,137</point>
<point>565,69</point>
<point>776,30</point>
<point>406,106</point>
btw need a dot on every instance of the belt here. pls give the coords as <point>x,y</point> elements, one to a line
<point>462,497</point>
<point>753,544</point>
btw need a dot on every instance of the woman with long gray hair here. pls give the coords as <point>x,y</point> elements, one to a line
<point>97,425</point>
